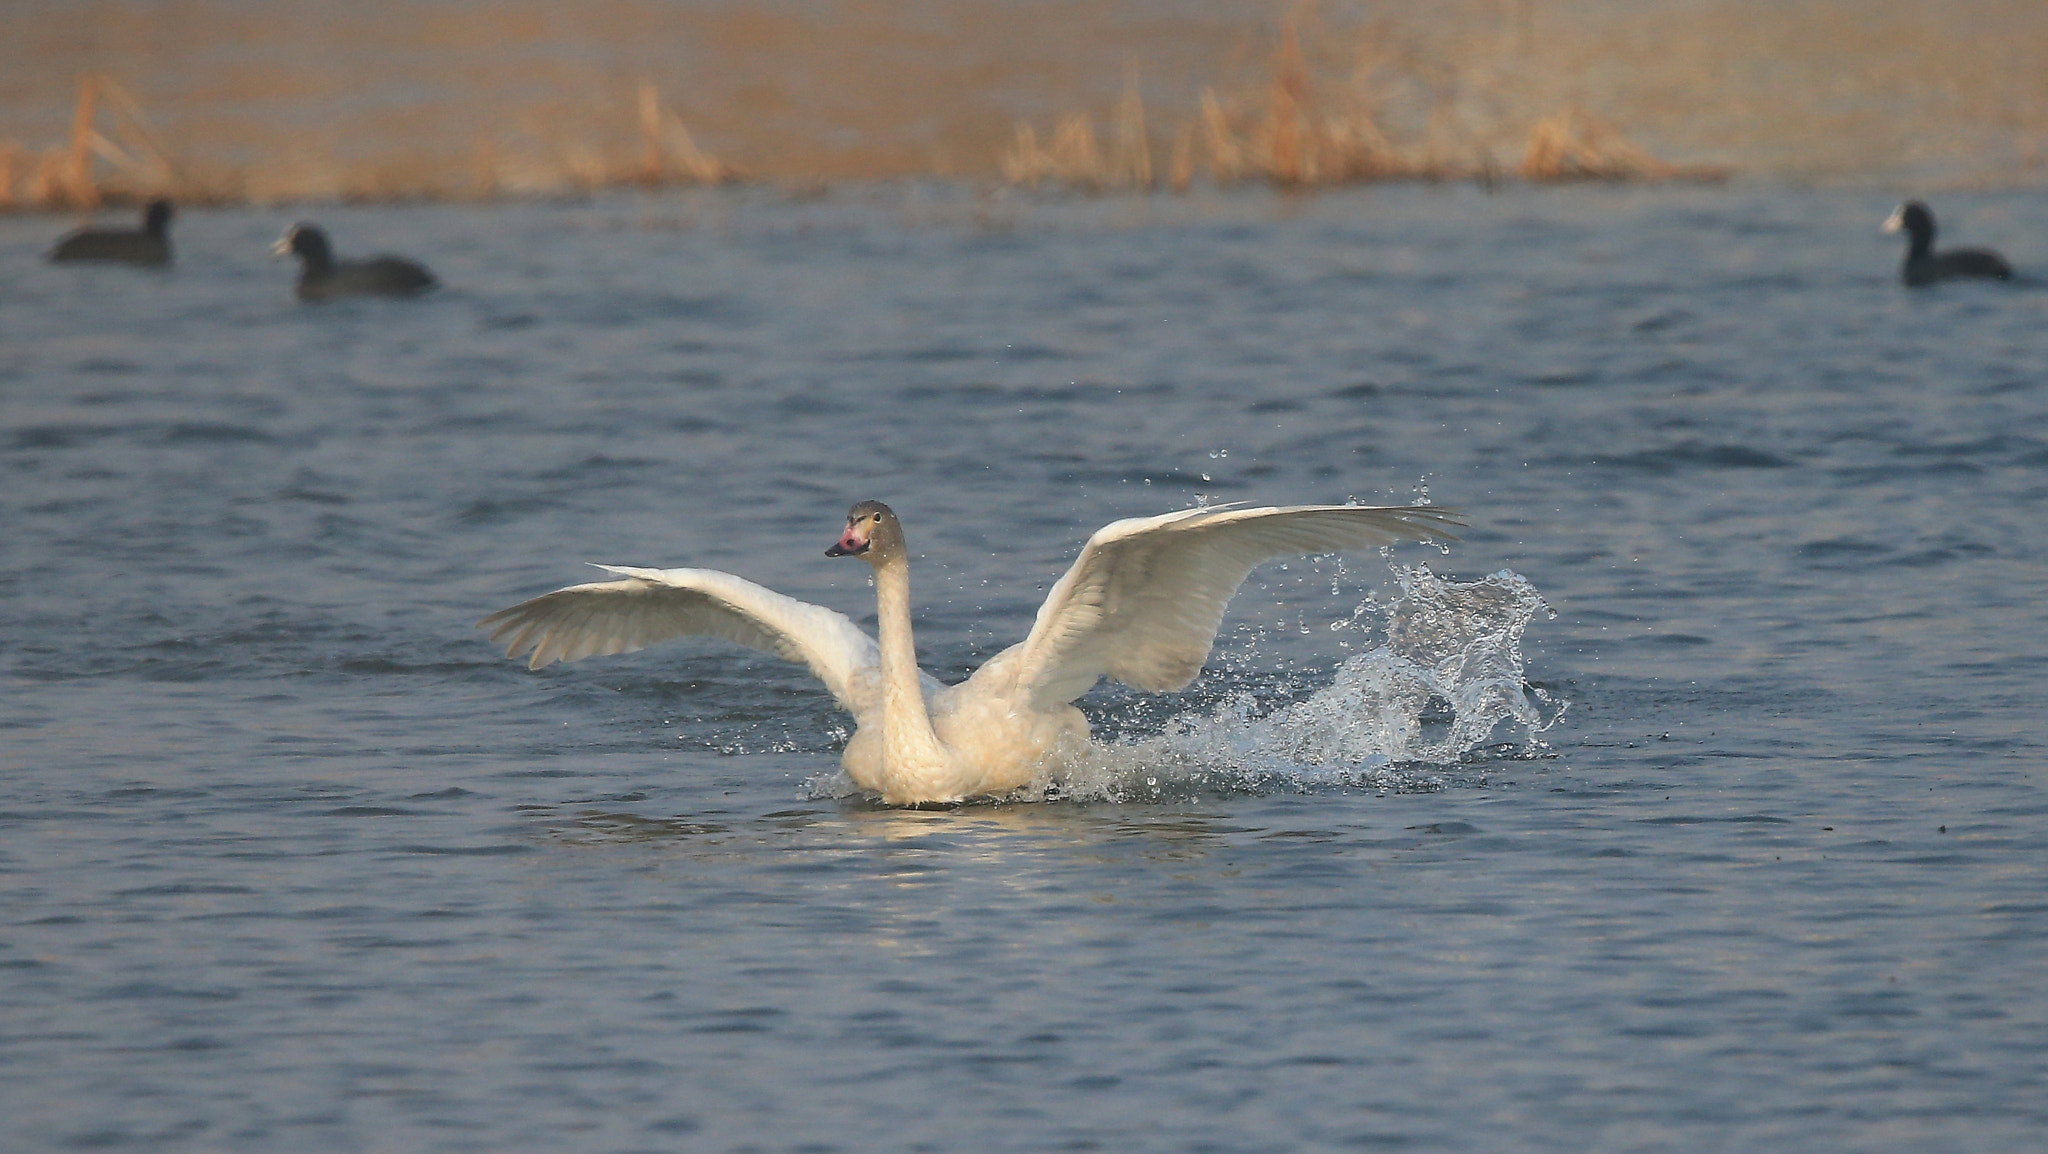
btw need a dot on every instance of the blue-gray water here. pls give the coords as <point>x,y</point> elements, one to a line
<point>291,859</point>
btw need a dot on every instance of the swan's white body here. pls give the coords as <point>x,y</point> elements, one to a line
<point>1141,604</point>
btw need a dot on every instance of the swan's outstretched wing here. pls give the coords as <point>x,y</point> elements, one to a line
<point>1143,600</point>
<point>651,605</point>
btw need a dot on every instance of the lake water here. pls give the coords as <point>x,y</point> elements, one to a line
<point>292,859</point>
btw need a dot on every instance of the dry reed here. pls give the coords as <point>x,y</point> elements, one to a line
<point>669,155</point>
<point>296,106</point>
<point>122,162</point>
<point>1574,146</point>
<point>1400,111</point>
<point>112,156</point>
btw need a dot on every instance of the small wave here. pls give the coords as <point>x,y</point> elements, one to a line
<point>1697,454</point>
<point>60,436</point>
<point>214,431</point>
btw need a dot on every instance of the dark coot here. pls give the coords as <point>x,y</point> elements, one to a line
<point>321,277</point>
<point>1924,266</point>
<point>150,244</point>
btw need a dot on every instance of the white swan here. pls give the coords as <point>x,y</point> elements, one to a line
<point>1141,604</point>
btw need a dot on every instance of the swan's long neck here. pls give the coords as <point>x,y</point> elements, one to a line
<point>907,737</point>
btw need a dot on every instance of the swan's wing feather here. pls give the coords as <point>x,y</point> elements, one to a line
<point>1143,601</point>
<point>651,605</point>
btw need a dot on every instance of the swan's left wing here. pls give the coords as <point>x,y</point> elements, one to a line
<point>1144,599</point>
<point>653,605</point>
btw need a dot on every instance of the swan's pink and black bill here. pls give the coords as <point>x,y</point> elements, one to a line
<point>851,543</point>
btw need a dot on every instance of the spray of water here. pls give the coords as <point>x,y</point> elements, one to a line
<point>1445,688</point>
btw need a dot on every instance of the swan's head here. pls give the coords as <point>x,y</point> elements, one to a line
<point>872,531</point>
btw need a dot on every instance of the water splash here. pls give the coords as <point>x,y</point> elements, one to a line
<point>1446,686</point>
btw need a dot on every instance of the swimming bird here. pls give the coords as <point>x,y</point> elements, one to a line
<point>321,277</point>
<point>1924,266</point>
<point>150,244</point>
<point>1141,605</point>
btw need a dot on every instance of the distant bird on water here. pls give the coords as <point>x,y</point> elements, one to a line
<point>150,244</point>
<point>321,277</point>
<point>1924,266</point>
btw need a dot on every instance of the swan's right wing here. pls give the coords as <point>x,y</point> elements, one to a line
<point>653,605</point>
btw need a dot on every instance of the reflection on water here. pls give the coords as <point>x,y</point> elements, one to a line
<point>832,826</point>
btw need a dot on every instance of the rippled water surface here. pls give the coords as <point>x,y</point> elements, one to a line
<point>291,859</point>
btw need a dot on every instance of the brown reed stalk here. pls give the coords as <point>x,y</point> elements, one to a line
<point>652,163</point>
<point>1288,92</point>
<point>1180,164</point>
<point>1076,157</point>
<point>669,154</point>
<point>1227,161</point>
<point>144,158</point>
<point>77,183</point>
<point>1572,145</point>
<point>1023,162</point>
<point>1132,165</point>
